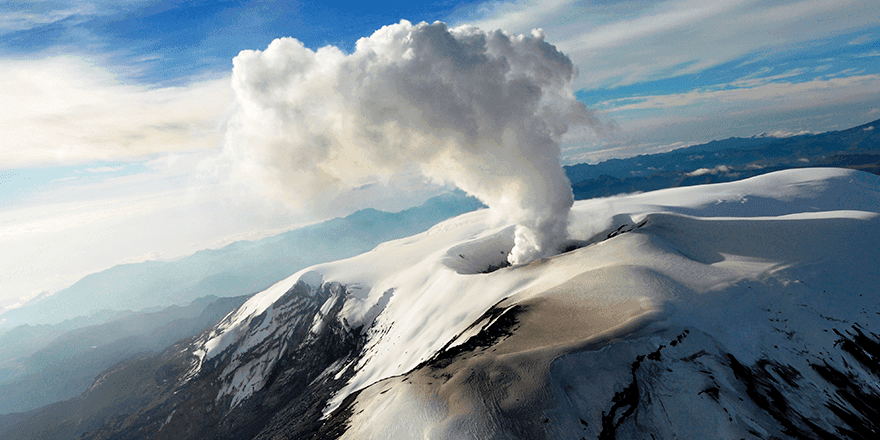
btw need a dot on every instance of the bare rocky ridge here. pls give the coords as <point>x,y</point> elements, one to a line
<point>290,400</point>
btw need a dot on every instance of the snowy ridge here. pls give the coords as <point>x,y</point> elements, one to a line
<point>735,274</point>
<point>250,341</point>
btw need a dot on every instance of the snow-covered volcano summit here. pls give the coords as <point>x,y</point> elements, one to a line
<point>736,310</point>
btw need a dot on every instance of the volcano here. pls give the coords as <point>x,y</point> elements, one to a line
<point>745,309</point>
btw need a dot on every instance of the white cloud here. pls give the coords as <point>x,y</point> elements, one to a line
<point>26,15</point>
<point>485,111</point>
<point>649,124</point>
<point>105,169</point>
<point>713,171</point>
<point>862,39</point>
<point>785,133</point>
<point>520,15</point>
<point>658,123</point>
<point>633,41</point>
<point>782,94</point>
<point>845,72</point>
<point>755,79</point>
<point>22,20</point>
<point>68,110</point>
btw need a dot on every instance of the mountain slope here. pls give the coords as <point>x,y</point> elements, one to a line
<point>738,310</point>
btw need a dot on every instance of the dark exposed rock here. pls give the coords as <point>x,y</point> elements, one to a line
<point>499,323</point>
<point>629,398</point>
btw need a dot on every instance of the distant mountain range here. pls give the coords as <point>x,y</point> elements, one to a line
<point>240,268</point>
<point>67,365</point>
<point>728,160</point>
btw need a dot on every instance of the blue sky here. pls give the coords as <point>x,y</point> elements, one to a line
<point>629,53</point>
<point>112,110</point>
<point>173,42</point>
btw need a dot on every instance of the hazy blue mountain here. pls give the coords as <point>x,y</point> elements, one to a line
<point>728,160</point>
<point>646,164</point>
<point>20,342</point>
<point>68,365</point>
<point>239,268</point>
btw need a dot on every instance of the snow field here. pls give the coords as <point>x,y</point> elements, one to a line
<point>724,259</point>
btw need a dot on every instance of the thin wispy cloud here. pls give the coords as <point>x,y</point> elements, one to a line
<point>800,94</point>
<point>757,80</point>
<point>65,110</point>
<point>867,38</point>
<point>23,16</point>
<point>845,73</point>
<point>105,169</point>
<point>628,42</point>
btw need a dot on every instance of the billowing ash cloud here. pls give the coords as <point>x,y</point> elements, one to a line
<point>482,110</point>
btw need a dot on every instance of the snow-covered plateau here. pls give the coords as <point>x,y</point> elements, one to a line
<point>736,310</point>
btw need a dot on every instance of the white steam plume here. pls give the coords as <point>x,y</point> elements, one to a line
<point>482,110</point>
